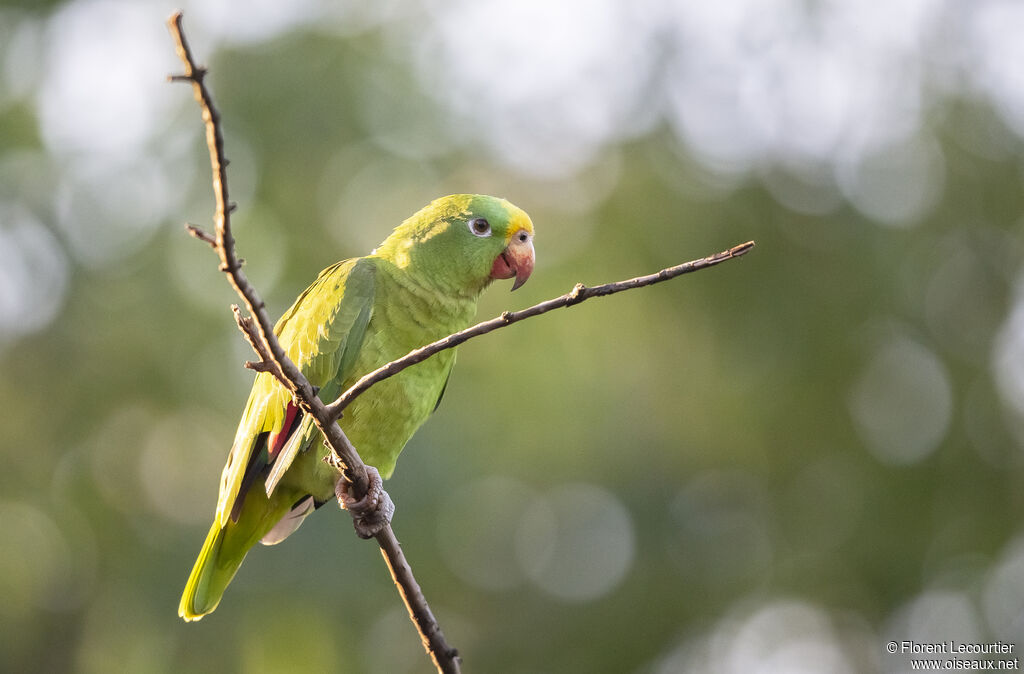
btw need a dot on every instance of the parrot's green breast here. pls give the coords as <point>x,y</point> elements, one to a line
<point>381,420</point>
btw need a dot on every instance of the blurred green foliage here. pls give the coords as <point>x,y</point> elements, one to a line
<point>810,446</point>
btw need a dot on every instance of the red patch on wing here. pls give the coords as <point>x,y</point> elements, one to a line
<point>277,440</point>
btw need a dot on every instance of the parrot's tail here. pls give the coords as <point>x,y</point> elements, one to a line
<point>210,576</point>
<point>226,546</point>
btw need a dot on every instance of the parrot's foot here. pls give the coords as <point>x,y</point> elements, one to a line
<point>371,513</point>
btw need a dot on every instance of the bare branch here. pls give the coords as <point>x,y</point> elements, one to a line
<point>231,265</point>
<point>419,610</point>
<point>259,332</point>
<point>225,244</point>
<point>578,294</point>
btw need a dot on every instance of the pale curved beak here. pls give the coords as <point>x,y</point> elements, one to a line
<point>516,260</point>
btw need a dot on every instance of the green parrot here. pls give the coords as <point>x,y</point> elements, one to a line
<point>421,284</point>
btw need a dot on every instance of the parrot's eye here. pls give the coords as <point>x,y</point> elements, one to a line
<point>480,227</point>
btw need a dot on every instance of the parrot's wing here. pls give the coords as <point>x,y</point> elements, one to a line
<point>322,333</point>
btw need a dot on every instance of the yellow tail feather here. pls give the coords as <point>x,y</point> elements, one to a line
<point>209,578</point>
<point>226,546</point>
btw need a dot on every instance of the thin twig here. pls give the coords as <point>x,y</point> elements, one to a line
<point>419,611</point>
<point>579,293</point>
<point>266,363</point>
<point>259,332</point>
<point>287,373</point>
<point>202,235</point>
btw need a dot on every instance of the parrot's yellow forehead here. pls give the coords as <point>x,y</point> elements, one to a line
<point>518,220</point>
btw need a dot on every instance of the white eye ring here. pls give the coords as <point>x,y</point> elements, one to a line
<point>479,227</point>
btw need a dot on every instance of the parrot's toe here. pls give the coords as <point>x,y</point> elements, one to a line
<point>373,511</point>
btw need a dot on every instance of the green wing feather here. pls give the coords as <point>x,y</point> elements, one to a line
<point>322,333</point>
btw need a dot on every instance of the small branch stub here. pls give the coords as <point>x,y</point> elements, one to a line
<point>202,235</point>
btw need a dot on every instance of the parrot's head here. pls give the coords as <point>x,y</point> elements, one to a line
<point>464,241</point>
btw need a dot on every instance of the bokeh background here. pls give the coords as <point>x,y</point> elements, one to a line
<point>774,466</point>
